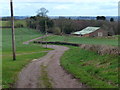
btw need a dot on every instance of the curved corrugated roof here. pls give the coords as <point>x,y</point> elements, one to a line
<point>87,30</point>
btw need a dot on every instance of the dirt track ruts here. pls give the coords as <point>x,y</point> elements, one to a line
<point>30,76</point>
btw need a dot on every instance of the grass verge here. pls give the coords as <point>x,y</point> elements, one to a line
<point>90,68</point>
<point>44,77</point>
<point>12,68</point>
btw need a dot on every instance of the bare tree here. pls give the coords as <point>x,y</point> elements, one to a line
<point>42,12</point>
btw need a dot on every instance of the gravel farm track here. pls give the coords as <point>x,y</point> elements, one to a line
<point>30,75</point>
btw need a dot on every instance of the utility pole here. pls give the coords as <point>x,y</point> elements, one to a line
<point>13,33</point>
<point>46,32</point>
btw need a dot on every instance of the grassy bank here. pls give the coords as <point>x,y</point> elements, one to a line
<point>90,68</point>
<point>84,40</point>
<point>11,68</point>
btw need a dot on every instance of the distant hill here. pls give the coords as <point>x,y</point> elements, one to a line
<point>21,17</point>
<point>84,17</point>
<point>71,17</point>
<point>16,17</point>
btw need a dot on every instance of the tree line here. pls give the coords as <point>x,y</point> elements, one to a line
<point>66,26</point>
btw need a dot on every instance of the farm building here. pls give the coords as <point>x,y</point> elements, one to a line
<point>91,32</point>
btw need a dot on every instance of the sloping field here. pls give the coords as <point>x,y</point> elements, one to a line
<point>17,23</point>
<point>85,40</point>
<point>11,68</point>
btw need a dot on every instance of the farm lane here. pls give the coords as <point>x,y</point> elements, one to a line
<point>60,78</point>
<point>27,42</point>
<point>30,76</point>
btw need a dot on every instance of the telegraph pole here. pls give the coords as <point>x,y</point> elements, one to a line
<point>46,32</point>
<point>13,33</point>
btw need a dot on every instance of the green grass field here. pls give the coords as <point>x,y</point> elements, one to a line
<point>17,22</point>
<point>0,59</point>
<point>90,68</point>
<point>94,70</point>
<point>3,23</point>
<point>84,40</point>
<point>10,68</point>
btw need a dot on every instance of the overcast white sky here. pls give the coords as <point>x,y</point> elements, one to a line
<point>62,7</point>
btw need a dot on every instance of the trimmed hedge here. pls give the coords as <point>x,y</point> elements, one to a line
<point>58,43</point>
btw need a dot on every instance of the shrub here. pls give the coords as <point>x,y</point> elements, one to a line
<point>56,30</point>
<point>19,25</point>
<point>102,49</point>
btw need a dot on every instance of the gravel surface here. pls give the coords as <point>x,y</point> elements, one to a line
<point>30,75</point>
